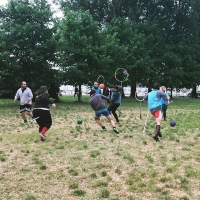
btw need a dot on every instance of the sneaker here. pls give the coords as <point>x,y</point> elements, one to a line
<point>43,136</point>
<point>103,129</point>
<point>160,134</point>
<point>25,122</point>
<point>42,139</point>
<point>156,138</point>
<point>117,122</point>
<point>116,131</point>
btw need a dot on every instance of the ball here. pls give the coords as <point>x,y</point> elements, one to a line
<point>102,86</point>
<point>79,121</point>
<point>172,123</point>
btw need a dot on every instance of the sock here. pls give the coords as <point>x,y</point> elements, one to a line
<point>44,130</point>
<point>157,129</point>
<point>164,115</point>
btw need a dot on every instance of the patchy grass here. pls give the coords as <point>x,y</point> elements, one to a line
<point>81,162</point>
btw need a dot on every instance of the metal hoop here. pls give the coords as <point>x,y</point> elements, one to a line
<point>125,72</point>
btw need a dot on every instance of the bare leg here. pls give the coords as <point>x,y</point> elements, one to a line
<point>29,114</point>
<point>97,119</point>
<point>109,117</point>
<point>23,114</point>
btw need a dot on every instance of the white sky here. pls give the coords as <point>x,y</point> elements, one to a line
<point>3,2</point>
<point>54,8</point>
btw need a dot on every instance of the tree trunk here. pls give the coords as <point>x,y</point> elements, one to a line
<point>79,92</point>
<point>133,90</point>
<point>171,97</point>
<point>194,91</point>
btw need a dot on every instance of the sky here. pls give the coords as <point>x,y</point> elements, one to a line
<point>3,2</point>
<point>54,8</point>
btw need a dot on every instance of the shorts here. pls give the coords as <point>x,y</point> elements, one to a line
<point>104,112</point>
<point>25,108</point>
<point>157,114</point>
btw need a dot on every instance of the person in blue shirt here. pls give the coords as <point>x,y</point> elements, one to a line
<point>96,88</point>
<point>164,103</point>
<point>153,99</point>
<point>115,97</point>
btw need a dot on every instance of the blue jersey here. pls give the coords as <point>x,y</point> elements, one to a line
<point>115,97</point>
<point>163,101</point>
<point>97,90</point>
<point>154,99</point>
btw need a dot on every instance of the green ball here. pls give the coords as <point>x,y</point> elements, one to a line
<point>79,121</point>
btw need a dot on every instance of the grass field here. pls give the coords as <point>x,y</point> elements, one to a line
<point>81,162</point>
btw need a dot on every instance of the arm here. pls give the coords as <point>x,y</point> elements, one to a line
<point>105,98</point>
<point>162,95</point>
<point>30,96</point>
<point>145,98</point>
<point>45,98</point>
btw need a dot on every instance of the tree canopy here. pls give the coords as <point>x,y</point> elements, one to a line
<point>154,40</point>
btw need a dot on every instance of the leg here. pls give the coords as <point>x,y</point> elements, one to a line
<point>164,109</point>
<point>97,119</point>
<point>112,108</point>
<point>158,116</point>
<point>28,110</point>
<point>29,114</point>
<point>23,114</point>
<point>115,106</point>
<point>109,117</point>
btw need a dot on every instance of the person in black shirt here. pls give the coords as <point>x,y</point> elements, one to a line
<point>41,111</point>
<point>115,96</point>
<point>76,92</point>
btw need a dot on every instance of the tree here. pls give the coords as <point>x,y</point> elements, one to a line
<point>29,45</point>
<point>85,51</point>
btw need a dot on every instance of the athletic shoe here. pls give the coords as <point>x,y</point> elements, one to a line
<point>25,122</point>
<point>103,129</point>
<point>156,138</point>
<point>160,134</point>
<point>117,122</point>
<point>116,131</point>
<point>43,136</point>
<point>42,139</point>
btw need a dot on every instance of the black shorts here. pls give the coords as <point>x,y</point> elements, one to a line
<point>25,108</point>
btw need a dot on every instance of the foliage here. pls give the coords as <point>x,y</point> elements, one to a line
<point>27,44</point>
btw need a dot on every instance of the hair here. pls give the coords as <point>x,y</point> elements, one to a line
<point>92,92</point>
<point>23,82</point>
<point>156,86</point>
<point>42,90</point>
<point>162,87</point>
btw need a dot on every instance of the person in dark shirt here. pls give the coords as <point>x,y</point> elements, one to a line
<point>41,111</point>
<point>115,97</point>
<point>76,92</point>
<point>98,105</point>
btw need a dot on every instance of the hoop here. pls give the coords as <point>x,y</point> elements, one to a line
<point>143,92</point>
<point>100,76</point>
<point>137,98</point>
<point>125,75</point>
